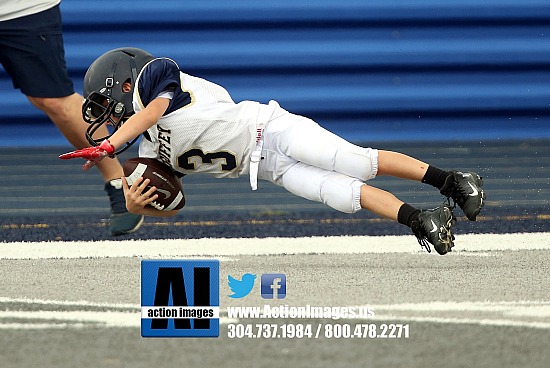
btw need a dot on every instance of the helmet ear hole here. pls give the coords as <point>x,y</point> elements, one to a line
<point>127,86</point>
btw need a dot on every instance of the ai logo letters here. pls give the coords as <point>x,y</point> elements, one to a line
<point>180,298</point>
<point>273,286</point>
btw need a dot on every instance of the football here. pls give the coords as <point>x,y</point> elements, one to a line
<point>169,187</point>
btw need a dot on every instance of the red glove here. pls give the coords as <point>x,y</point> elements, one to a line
<point>92,154</point>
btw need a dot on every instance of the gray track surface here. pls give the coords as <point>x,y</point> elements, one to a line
<point>313,279</point>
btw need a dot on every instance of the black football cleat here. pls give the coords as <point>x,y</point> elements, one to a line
<point>121,222</point>
<point>465,190</point>
<point>435,227</point>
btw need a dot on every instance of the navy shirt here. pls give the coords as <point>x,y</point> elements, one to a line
<point>159,76</point>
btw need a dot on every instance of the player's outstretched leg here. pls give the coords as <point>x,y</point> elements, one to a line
<point>121,221</point>
<point>465,189</point>
<point>435,227</point>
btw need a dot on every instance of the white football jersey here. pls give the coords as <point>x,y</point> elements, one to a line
<point>203,130</point>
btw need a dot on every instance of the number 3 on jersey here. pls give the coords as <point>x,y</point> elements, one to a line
<point>228,163</point>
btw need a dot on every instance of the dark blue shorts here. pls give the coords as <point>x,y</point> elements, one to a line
<point>32,52</point>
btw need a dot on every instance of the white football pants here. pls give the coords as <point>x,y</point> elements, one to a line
<point>313,163</point>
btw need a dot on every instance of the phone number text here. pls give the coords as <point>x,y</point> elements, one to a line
<point>315,331</point>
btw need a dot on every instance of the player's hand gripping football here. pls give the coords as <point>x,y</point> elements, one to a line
<point>92,154</point>
<point>139,195</point>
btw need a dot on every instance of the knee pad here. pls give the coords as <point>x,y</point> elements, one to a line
<point>341,192</point>
<point>357,162</point>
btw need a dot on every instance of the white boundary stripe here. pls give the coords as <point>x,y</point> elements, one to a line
<point>95,318</point>
<point>532,307</point>
<point>185,248</point>
<point>77,303</point>
<point>40,326</point>
<point>78,319</point>
<point>525,313</point>
<point>469,321</point>
<point>124,315</point>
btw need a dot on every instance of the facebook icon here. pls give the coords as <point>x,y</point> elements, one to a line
<point>273,286</point>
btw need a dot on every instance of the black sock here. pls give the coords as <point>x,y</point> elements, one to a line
<point>435,177</point>
<point>407,214</point>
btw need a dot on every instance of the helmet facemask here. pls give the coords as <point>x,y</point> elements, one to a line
<point>100,109</point>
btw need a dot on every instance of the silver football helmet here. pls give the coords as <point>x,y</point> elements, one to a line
<point>108,97</point>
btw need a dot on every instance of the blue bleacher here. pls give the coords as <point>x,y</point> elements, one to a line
<point>368,70</point>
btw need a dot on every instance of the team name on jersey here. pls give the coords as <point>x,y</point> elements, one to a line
<point>165,151</point>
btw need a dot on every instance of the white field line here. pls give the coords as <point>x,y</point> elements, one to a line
<point>469,321</point>
<point>66,303</point>
<point>75,319</point>
<point>120,315</point>
<point>531,314</point>
<point>525,314</point>
<point>185,248</point>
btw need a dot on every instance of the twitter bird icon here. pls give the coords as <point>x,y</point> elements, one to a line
<point>243,287</point>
